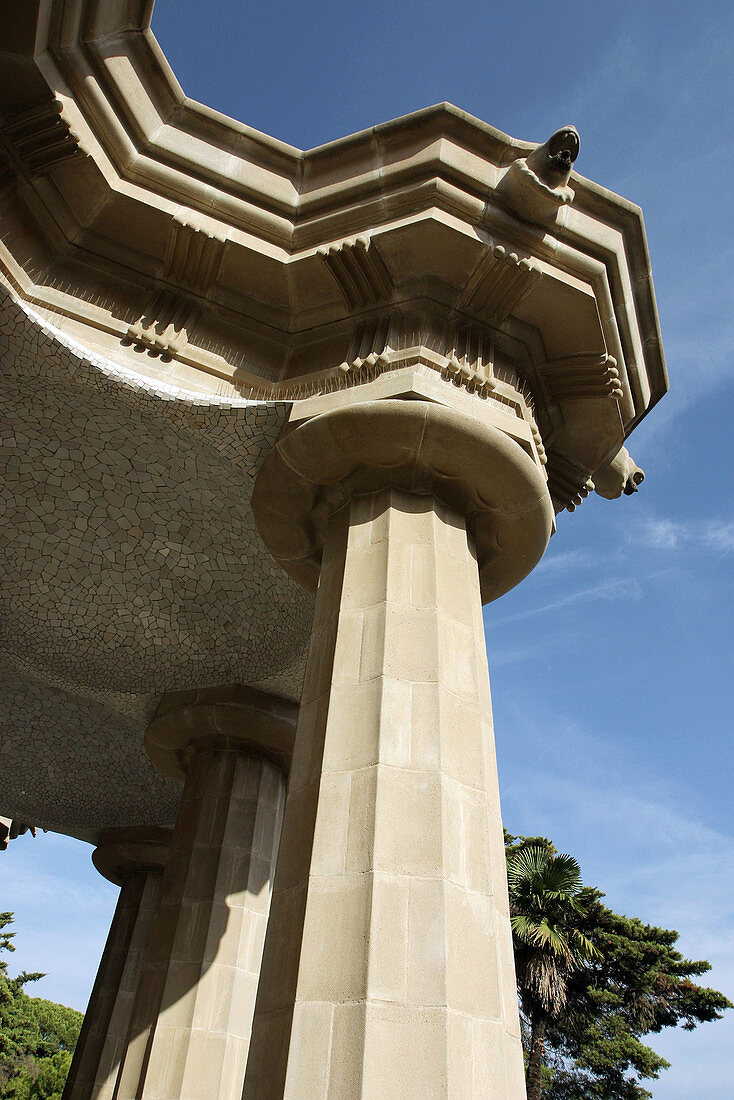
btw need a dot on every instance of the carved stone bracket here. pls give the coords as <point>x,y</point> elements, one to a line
<point>463,349</point>
<point>459,352</point>
<point>583,376</point>
<point>162,327</point>
<point>193,257</point>
<point>359,271</point>
<point>40,138</point>
<point>192,260</point>
<point>11,828</point>
<point>498,284</point>
<point>568,483</point>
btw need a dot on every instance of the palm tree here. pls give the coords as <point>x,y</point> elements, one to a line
<point>544,909</point>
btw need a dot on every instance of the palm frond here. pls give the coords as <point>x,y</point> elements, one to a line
<point>544,907</point>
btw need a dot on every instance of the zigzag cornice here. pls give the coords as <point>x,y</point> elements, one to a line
<point>153,145</point>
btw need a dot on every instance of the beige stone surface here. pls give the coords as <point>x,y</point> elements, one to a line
<point>465,458</point>
<point>386,874</point>
<point>230,230</point>
<point>134,859</point>
<point>202,266</point>
<point>190,1024</point>
<point>437,335</point>
<point>254,721</point>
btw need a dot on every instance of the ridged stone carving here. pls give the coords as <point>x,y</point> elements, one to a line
<point>359,272</point>
<point>498,284</point>
<point>40,138</point>
<point>583,376</point>
<point>568,483</point>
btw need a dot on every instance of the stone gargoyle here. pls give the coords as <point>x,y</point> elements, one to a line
<point>620,474</point>
<point>536,186</point>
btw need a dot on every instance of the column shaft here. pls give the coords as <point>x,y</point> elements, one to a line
<point>106,1001</point>
<point>113,1050</point>
<point>193,1012</point>
<point>388,967</point>
<point>132,858</point>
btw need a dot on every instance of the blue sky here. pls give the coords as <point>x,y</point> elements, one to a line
<point>612,664</point>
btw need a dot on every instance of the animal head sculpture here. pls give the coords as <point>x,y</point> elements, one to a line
<point>552,162</point>
<point>536,186</point>
<point>620,475</point>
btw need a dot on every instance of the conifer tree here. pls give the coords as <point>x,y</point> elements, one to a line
<point>37,1037</point>
<point>634,983</point>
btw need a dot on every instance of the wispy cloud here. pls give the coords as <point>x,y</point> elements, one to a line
<point>537,648</point>
<point>48,883</point>
<point>715,535</point>
<point>621,588</point>
<point>565,562</point>
<point>719,536</point>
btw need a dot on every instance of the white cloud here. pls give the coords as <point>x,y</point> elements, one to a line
<point>63,909</point>
<point>564,562</point>
<point>716,535</point>
<point>660,534</point>
<point>621,588</point>
<point>719,536</point>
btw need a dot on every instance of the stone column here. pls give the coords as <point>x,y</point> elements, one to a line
<point>388,968</point>
<point>193,1012</point>
<point>133,859</point>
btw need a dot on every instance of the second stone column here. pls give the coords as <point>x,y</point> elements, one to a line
<point>193,1012</point>
<point>133,859</point>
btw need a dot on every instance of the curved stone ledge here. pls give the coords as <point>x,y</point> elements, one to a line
<point>123,851</point>
<point>251,719</point>
<point>413,445</point>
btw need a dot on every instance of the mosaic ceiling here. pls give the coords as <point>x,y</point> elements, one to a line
<point>131,566</point>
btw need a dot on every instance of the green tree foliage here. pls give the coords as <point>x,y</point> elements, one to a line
<point>52,1074</point>
<point>636,983</point>
<point>37,1037</point>
<point>549,947</point>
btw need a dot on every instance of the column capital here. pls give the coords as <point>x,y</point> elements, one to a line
<point>124,851</point>
<point>227,716</point>
<point>470,463</point>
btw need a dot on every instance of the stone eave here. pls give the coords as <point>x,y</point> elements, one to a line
<point>149,144</point>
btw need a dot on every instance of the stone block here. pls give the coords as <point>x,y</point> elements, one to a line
<point>355,722</point>
<point>388,948</point>
<point>472,973</point>
<point>347,1052</point>
<point>408,832</point>
<point>426,964</point>
<point>330,850</point>
<point>405,1053</point>
<point>476,823</point>
<point>308,1063</point>
<point>411,644</point>
<point>333,964</point>
<point>423,577</point>
<point>347,655</point>
<point>365,581</point>
<point>361,821</point>
<point>461,738</point>
<point>425,731</point>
